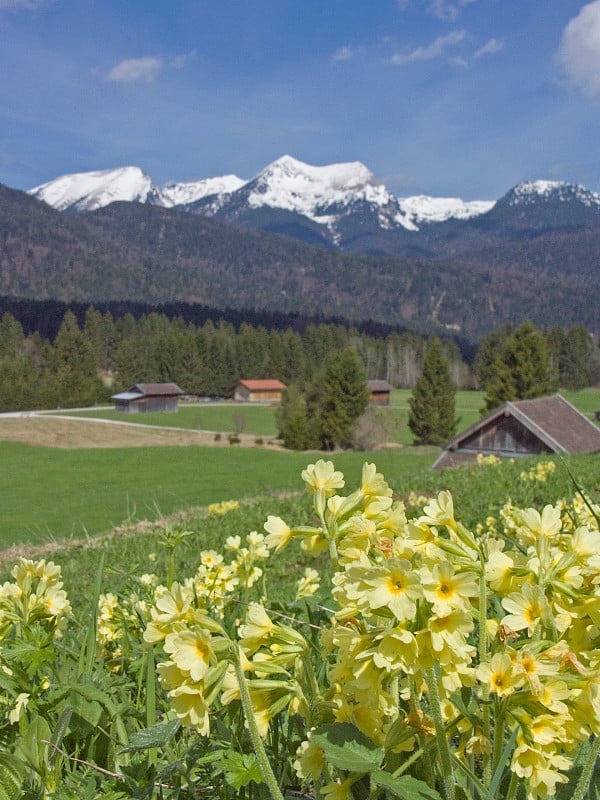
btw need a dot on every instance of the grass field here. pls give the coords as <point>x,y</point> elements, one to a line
<point>50,493</point>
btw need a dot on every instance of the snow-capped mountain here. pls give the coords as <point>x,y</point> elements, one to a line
<point>180,194</point>
<point>529,192</point>
<point>322,194</point>
<point>344,206</point>
<point>87,191</point>
<point>422,210</point>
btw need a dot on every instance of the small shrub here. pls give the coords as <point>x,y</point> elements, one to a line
<point>217,437</point>
<point>234,438</point>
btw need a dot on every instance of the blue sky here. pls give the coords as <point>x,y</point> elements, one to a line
<point>441,97</point>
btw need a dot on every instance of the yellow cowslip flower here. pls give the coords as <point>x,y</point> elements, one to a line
<point>547,524</point>
<point>373,484</point>
<point>449,633</point>
<point>190,705</point>
<point>498,675</point>
<point>440,511</point>
<point>323,476</point>
<point>309,584</point>
<point>359,535</point>
<point>528,608</point>
<point>279,532</point>
<point>499,568</point>
<point>446,589</point>
<point>55,602</point>
<point>533,667</point>
<point>192,651</point>
<point>338,791</point>
<point>478,745</point>
<point>255,632</point>
<point>14,715</point>
<point>233,543</point>
<point>310,761</point>
<point>393,586</point>
<point>396,650</point>
<point>548,729</point>
<point>540,768</point>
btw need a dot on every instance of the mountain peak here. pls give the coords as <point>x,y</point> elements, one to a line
<point>528,192</point>
<point>86,191</point>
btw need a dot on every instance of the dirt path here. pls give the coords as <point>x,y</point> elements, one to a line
<point>74,433</point>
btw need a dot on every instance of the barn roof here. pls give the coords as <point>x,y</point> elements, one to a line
<point>379,386</point>
<point>149,390</point>
<point>157,389</point>
<point>552,420</point>
<point>262,385</point>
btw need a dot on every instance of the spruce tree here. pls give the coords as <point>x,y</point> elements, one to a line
<point>522,370</point>
<point>342,399</point>
<point>432,403</point>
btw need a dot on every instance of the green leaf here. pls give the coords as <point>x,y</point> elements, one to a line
<point>11,777</point>
<point>156,736</point>
<point>405,787</point>
<point>347,748</point>
<point>241,769</point>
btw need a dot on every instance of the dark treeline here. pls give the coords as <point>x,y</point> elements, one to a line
<point>94,355</point>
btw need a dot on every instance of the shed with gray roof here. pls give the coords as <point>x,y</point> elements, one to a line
<point>524,428</point>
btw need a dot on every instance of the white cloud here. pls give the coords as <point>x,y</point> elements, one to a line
<point>345,53</point>
<point>448,9</point>
<point>579,52</point>
<point>436,49</point>
<point>490,48</point>
<point>136,70</point>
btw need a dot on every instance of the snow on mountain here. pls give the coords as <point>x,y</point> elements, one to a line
<point>321,193</point>
<point>529,192</point>
<point>179,194</point>
<point>86,191</point>
<point>422,209</point>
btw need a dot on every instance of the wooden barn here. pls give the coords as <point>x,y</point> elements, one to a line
<point>252,391</point>
<point>524,428</point>
<point>145,397</point>
<point>380,393</point>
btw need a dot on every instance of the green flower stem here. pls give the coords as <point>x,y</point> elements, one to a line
<point>259,749</point>
<point>584,779</point>
<point>487,764</point>
<point>512,787</point>
<point>440,734</point>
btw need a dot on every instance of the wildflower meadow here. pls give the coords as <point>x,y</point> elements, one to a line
<point>416,657</point>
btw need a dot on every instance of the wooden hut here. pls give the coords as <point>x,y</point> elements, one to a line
<point>145,397</point>
<point>524,428</point>
<point>252,391</point>
<point>380,392</point>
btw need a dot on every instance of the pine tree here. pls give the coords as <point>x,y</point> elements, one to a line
<point>432,403</point>
<point>522,369</point>
<point>292,419</point>
<point>343,397</point>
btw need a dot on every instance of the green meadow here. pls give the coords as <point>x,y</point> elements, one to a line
<point>55,494</point>
<point>51,494</point>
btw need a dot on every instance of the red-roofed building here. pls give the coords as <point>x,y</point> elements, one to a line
<point>251,391</point>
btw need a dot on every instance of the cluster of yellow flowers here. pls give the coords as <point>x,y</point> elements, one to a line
<point>539,473</point>
<point>425,611</point>
<point>119,618</point>
<point>36,595</point>
<point>218,509</point>
<point>487,461</point>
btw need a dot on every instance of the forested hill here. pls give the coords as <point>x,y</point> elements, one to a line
<point>149,254</point>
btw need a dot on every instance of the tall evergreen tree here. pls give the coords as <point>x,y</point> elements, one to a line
<point>432,415</point>
<point>522,369</point>
<point>342,399</point>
